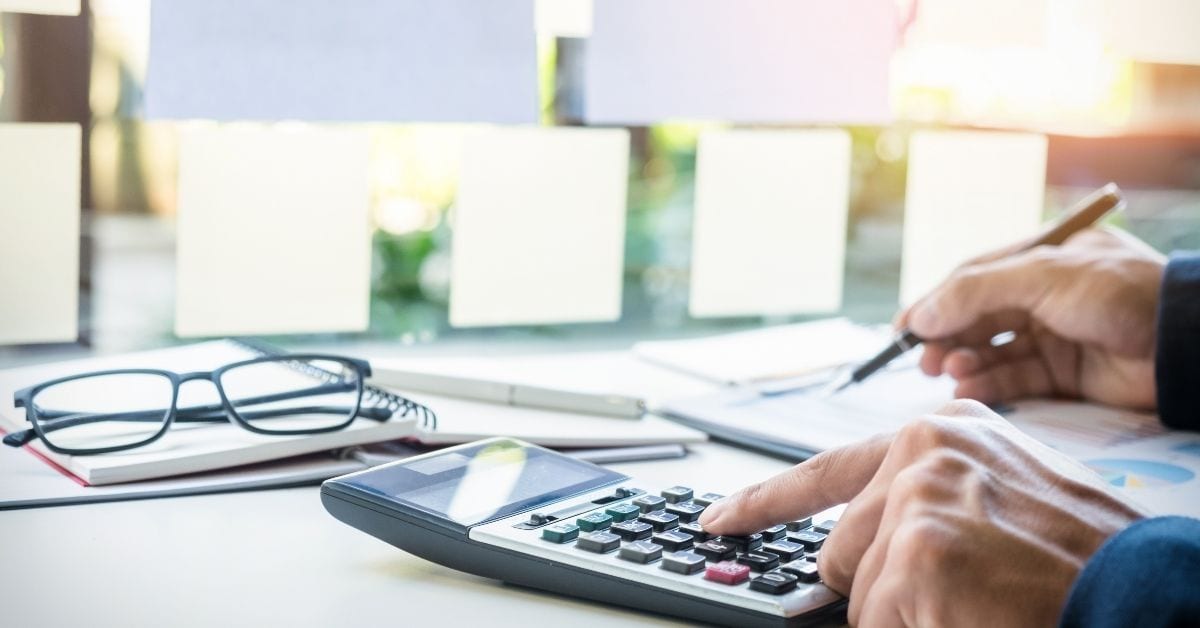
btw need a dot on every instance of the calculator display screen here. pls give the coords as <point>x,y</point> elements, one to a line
<point>479,483</point>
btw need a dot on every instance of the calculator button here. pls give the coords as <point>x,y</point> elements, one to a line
<point>538,519</point>
<point>802,569</point>
<point>759,561</point>
<point>812,556</point>
<point>774,533</point>
<point>598,542</point>
<point>660,520</point>
<point>696,530</point>
<point>747,543</point>
<point>622,512</point>
<point>593,522</point>
<point>686,511</point>
<point>809,539</point>
<point>650,503</point>
<point>561,533</point>
<point>707,499</point>
<point>785,550</point>
<point>674,540</point>
<point>641,552</point>
<point>727,572</point>
<point>677,494</point>
<point>632,530</point>
<point>775,583</point>
<point>799,524</point>
<point>686,563</point>
<point>825,527</point>
<point>715,550</point>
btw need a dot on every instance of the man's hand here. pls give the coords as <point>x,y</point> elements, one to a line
<point>1083,315</point>
<point>957,520</point>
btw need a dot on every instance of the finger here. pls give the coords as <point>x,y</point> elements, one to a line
<point>855,532</point>
<point>964,362</point>
<point>969,296</point>
<point>869,569</point>
<point>933,357</point>
<point>1005,382</point>
<point>827,479</point>
<point>882,609</point>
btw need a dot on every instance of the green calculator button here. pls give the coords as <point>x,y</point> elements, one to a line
<point>561,533</point>
<point>623,512</point>
<point>593,522</point>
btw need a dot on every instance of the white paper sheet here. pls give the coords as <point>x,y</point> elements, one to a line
<point>273,231</point>
<point>564,18</point>
<point>39,232</point>
<point>770,222</point>
<point>740,60</point>
<point>1156,31</point>
<point>979,24</point>
<point>539,227</point>
<point>407,60</point>
<point>45,7</point>
<point>968,192</point>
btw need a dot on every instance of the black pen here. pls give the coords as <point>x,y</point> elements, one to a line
<point>1084,214</point>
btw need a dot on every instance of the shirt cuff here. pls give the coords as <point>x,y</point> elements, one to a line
<point>1177,357</point>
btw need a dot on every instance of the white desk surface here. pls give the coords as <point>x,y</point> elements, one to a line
<point>276,558</point>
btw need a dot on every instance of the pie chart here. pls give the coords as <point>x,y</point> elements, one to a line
<point>1133,473</point>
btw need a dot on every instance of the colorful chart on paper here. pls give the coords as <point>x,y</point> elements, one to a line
<point>1133,473</point>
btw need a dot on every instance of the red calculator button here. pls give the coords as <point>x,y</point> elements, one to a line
<point>727,572</point>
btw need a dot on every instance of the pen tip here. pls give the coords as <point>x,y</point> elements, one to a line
<point>836,386</point>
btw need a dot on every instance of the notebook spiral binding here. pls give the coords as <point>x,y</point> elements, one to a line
<point>372,395</point>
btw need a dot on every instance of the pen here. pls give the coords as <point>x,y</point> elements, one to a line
<point>1084,214</point>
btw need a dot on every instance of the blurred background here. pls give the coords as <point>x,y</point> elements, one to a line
<point>1110,112</point>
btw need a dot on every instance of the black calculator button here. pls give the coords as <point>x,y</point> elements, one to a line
<point>825,527</point>
<point>674,540</point>
<point>622,512</point>
<point>785,550</point>
<point>799,524</point>
<point>594,521</point>
<point>715,550</point>
<point>759,561</point>
<point>677,494</point>
<point>707,499</point>
<point>810,539</point>
<point>649,503</point>
<point>696,530</point>
<point>774,533</point>
<point>686,563</point>
<point>686,511</point>
<point>561,533</point>
<point>775,583</point>
<point>812,556</point>
<point>641,552</point>
<point>632,530</point>
<point>660,520</point>
<point>802,569</point>
<point>598,542</point>
<point>747,543</point>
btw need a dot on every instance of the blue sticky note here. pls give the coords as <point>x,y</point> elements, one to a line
<point>327,60</point>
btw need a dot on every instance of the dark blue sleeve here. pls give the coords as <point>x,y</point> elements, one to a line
<point>1147,575</point>
<point>1177,358</point>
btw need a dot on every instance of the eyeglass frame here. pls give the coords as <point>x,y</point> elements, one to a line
<point>24,399</point>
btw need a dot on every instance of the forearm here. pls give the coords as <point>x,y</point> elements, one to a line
<point>1177,357</point>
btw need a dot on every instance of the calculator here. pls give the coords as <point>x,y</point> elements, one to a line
<point>504,509</point>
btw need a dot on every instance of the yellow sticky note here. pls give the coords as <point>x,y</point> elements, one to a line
<point>39,231</point>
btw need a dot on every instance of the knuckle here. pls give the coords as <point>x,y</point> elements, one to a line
<point>925,542</point>
<point>925,431</point>
<point>965,408</point>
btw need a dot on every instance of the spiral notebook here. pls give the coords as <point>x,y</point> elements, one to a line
<point>204,447</point>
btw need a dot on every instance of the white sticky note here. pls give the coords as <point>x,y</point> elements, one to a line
<point>979,24</point>
<point>39,232</point>
<point>769,233</point>
<point>968,192</point>
<point>273,231</point>
<point>539,227</point>
<point>740,60</point>
<point>564,18</point>
<point>404,60</point>
<point>1155,31</point>
<point>45,7</point>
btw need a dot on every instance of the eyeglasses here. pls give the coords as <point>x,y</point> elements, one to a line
<point>107,411</point>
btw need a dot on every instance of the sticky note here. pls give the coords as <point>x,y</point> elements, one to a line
<point>740,60</point>
<point>402,60</point>
<point>979,24</point>
<point>969,192</point>
<point>39,232</point>
<point>769,233</point>
<point>539,227</point>
<point>563,18</point>
<point>45,7</point>
<point>273,232</point>
<point>1154,31</point>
